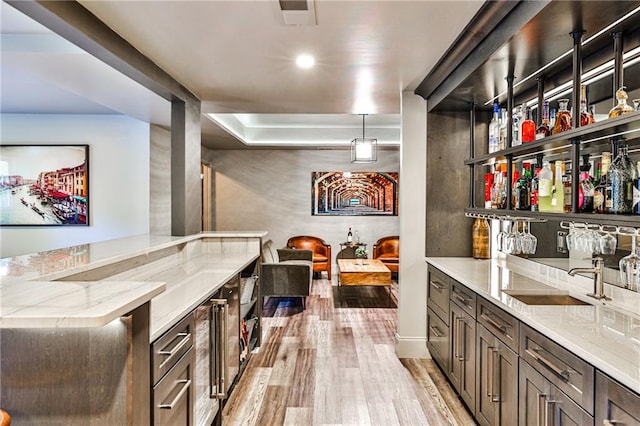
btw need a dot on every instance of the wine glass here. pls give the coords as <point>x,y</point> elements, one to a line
<point>500,236</point>
<point>630,264</point>
<point>530,242</point>
<point>607,241</point>
<point>511,245</point>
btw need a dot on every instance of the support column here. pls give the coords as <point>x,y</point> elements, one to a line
<point>186,191</point>
<point>411,334</point>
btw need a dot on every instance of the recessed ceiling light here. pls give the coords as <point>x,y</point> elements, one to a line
<point>305,61</point>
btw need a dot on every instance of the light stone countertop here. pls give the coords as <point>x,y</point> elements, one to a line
<point>606,335</point>
<point>35,294</point>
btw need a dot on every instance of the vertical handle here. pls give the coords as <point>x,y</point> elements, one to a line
<point>546,411</point>
<point>539,407</point>
<point>495,397</point>
<point>460,338</point>
<point>219,335</point>
<point>490,372</point>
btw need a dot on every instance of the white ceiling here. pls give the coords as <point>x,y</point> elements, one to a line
<point>238,57</point>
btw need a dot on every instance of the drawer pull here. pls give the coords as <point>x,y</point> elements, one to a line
<point>606,422</point>
<point>562,373</point>
<point>461,299</point>
<point>176,348</point>
<point>185,387</point>
<point>501,327</point>
<point>436,332</point>
<point>437,285</point>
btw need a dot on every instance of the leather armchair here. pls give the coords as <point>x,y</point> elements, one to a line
<point>387,250</point>
<point>321,251</point>
<point>286,272</point>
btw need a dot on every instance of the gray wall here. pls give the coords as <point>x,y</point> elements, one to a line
<point>271,190</point>
<point>160,181</point>
<point>448,230</point>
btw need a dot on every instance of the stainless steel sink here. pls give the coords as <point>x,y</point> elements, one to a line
<point>546,299</point>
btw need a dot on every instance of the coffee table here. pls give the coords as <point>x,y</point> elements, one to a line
<point>372,272</point>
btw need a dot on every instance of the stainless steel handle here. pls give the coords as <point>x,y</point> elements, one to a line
<point>461,299</point>
<point>185,387</point>
<point>560,372</point>
<point>490,372</point>
<point>186,338</point>
<point>501,327</point>
<point>547,403</point>
<point>221,355</point>
<point>606,422</point>
<point>459,339</point>
<point>436,332</point>
<point>539,408</point>
<point>495,397</point>
<point>438,286</point>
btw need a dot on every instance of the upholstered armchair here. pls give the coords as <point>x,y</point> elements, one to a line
<point>286,272</point>
<point>321,251</point>
<point>387,250</point>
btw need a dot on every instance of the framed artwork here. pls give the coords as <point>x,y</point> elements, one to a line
<point>354,194</point>
<point>44,185</point>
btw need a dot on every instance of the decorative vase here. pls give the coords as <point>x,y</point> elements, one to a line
<point>359,261</point>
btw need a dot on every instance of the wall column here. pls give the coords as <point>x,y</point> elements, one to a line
<point>412,276</point>
<point>186,191</point>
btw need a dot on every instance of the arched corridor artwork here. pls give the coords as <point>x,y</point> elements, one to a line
<point>354,193</point>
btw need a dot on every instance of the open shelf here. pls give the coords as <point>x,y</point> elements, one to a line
<point>610,219</point>
<point>593,138</point>
<point>245,308</point>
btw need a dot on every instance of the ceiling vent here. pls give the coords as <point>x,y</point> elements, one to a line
<point>298,12</point>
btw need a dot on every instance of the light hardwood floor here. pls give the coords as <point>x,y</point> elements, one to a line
<point>334,364</point>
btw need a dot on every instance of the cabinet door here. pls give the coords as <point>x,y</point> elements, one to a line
<point>206,407</point>
<point>438,340</point>
<point>497,380</point>
<point>462,350</point>
<point>438,293</point>
<point>615,404</point>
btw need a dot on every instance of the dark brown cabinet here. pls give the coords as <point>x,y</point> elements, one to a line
<point>496,380</point>
<point>615,404</point>
<point>462,347</point>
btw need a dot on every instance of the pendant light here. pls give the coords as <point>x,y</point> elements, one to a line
<point>364,150</point>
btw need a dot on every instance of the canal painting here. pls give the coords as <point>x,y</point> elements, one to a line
<point>44,185</point>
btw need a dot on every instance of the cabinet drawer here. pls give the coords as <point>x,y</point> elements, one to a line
<point>438,293</point>
<point>570,374</point>
<point>463,297</point>
<point>615,404</point>
<point>438,339</point>
<point>501,324</point>
<point>168,348</point>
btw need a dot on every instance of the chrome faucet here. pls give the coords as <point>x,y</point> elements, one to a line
<point>598,278</point>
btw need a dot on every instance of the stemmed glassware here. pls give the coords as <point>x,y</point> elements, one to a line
<point>500,236</point>
<point>520,240</point>
<point>630,264</point>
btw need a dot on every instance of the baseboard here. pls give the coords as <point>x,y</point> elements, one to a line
<point>411,347</point>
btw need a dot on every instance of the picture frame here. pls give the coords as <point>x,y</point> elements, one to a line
<point>44,185</point>
<point>354,193</point>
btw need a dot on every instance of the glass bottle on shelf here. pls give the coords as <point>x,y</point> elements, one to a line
<point>545,187</point>
<point>636,104</point>
<point>621,175</point>
<point>534,190</point>
<point>586,117</point>
<point>528,128</point>
<point>502,131</point>
<point>349,236</point>
<point>566,189</point>
<point>557,191</point>
<point>636,191</point>
<point>563,118</point>
<point>586,190</point>
<point>516,131</point>
<point>622,107</point>
<point>552,119</point>
<point>494,125</point>
<point>480,239</point>
<point>601,188</point>
<point>545,125</point>
<point>523,189</point>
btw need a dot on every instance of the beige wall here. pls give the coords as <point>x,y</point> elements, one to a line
<point>271,190</point>
<point>160,181</point>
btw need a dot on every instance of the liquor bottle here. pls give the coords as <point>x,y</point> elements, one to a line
<point>621,178</point>
<point>516,130</point>
<point>488,189</point>
<point>534,190</point>
<point>502,132</point>
<point>544,129</point>
<point>622,107</point>
<point>528,128</point>
<point>586,117</point>
<point>602,189</point>
<point>552,119</point>
<point>357,236</point>
<point>566,188</point>
<point>557,191</point>
<point>480,239</point>
<point>636,191</point>
<point>563,118</point>
<point>586,190</point>
<point>545,187</point>
<point>494,125</point>
<point>349,236</point>
<point>515,178</point>
<point>523,189</point>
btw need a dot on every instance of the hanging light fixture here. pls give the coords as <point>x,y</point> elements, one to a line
<point>364,150</point>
